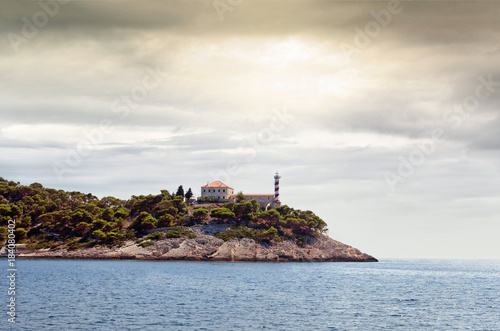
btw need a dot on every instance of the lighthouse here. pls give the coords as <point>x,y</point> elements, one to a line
<point>277,189</point>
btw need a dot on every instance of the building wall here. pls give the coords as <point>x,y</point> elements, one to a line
<point>221,193</point>
<point>262,199</point>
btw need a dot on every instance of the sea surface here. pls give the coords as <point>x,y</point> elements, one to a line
<point>163,295</point>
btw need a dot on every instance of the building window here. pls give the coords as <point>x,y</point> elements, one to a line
<point>219,190</point>
<point>224,190</point>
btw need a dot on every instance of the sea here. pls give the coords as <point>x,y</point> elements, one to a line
<point>177,295</point>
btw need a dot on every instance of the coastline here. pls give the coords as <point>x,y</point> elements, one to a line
<point>206,247</point>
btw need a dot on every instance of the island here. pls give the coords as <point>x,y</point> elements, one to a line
<point>50,223</point>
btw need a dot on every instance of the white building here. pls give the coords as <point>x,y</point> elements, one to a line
<point>264,200</point>
<point>224,193</point>
<point>218,190</point>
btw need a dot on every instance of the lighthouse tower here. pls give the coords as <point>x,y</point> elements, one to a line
<point>276,200</point>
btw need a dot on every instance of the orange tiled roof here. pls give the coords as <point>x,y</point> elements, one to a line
<point>217,184</point>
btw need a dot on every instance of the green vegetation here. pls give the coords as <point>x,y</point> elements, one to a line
<point>50,218</point>
<point>206,199</point>
<point>155,235</point>
<point>222,213</point>
<point>189,194</point>
<point>201,215</point>
<point>244,232</point>
<point>240,197</point>
<point>180,191</point>
<point>178,232</point>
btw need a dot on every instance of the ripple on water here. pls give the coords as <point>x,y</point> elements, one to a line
<point>118,295</point>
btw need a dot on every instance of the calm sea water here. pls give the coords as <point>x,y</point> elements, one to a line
<point>140,295</point>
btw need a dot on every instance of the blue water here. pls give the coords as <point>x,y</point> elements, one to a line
<point>133,295</point>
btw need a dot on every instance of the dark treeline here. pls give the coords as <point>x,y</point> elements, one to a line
<point>49,218</point>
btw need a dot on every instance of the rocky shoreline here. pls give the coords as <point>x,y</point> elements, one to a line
<point>206,247</point>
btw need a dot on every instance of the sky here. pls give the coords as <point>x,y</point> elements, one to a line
<point>381,117</point>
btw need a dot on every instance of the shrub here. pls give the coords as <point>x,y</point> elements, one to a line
<point>115,237</point>
<point>238,233</point>
<point>201,213</point>
<point>222,213</point>
<point>271,232</point>
<point>166,220</point>
<point>155,235</point>
<point>240,196</point>
<point>178,232</point>
<point>79,245</point>
<point>98,234</point>
<point>270,215</point>
<point>146,244</point>
<point>206,199</point>
<point>130,235</point>
<point>229,205</point>
<point>284,210</point>
<point>186,220</point>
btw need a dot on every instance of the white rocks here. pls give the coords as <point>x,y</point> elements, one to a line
<point>209,248</point>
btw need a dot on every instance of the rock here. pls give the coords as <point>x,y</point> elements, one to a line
<point>206,247</point>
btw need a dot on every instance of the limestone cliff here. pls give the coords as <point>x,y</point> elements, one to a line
<point>206,247</point>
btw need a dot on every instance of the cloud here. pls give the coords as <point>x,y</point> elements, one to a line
<point>222,83</point>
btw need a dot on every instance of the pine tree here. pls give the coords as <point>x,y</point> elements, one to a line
<point>189,194</point>
<point>180,191</point>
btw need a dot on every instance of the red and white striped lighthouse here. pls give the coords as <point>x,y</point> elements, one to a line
<point>277,187</point>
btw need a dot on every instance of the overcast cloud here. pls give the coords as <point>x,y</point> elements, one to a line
<point>164,93</point>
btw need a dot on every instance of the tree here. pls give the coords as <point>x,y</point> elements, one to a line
<point>180,191</point>
<point>189,194</point>
<point>121,213</point>
<point>5,210</point>
<point>107,214</point>
<point>246,210</point>
<point>271,232</point>
<point>255,206</point>
<point>166,195</point>
<point>270,215</point>
<point>21,234</point>
<point>82,228</point>
<point>99,235</point>
<point>166,220</point>
<point>144,222</point>
<point>284,210</point>
<point>16,211</point>
<point>3,233</point>
<point>229,205</point>
<point>149,223</point>
<point>179,203</point>
<point>172,210</point>
<point>240,197</point>
<point>97,224</point>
